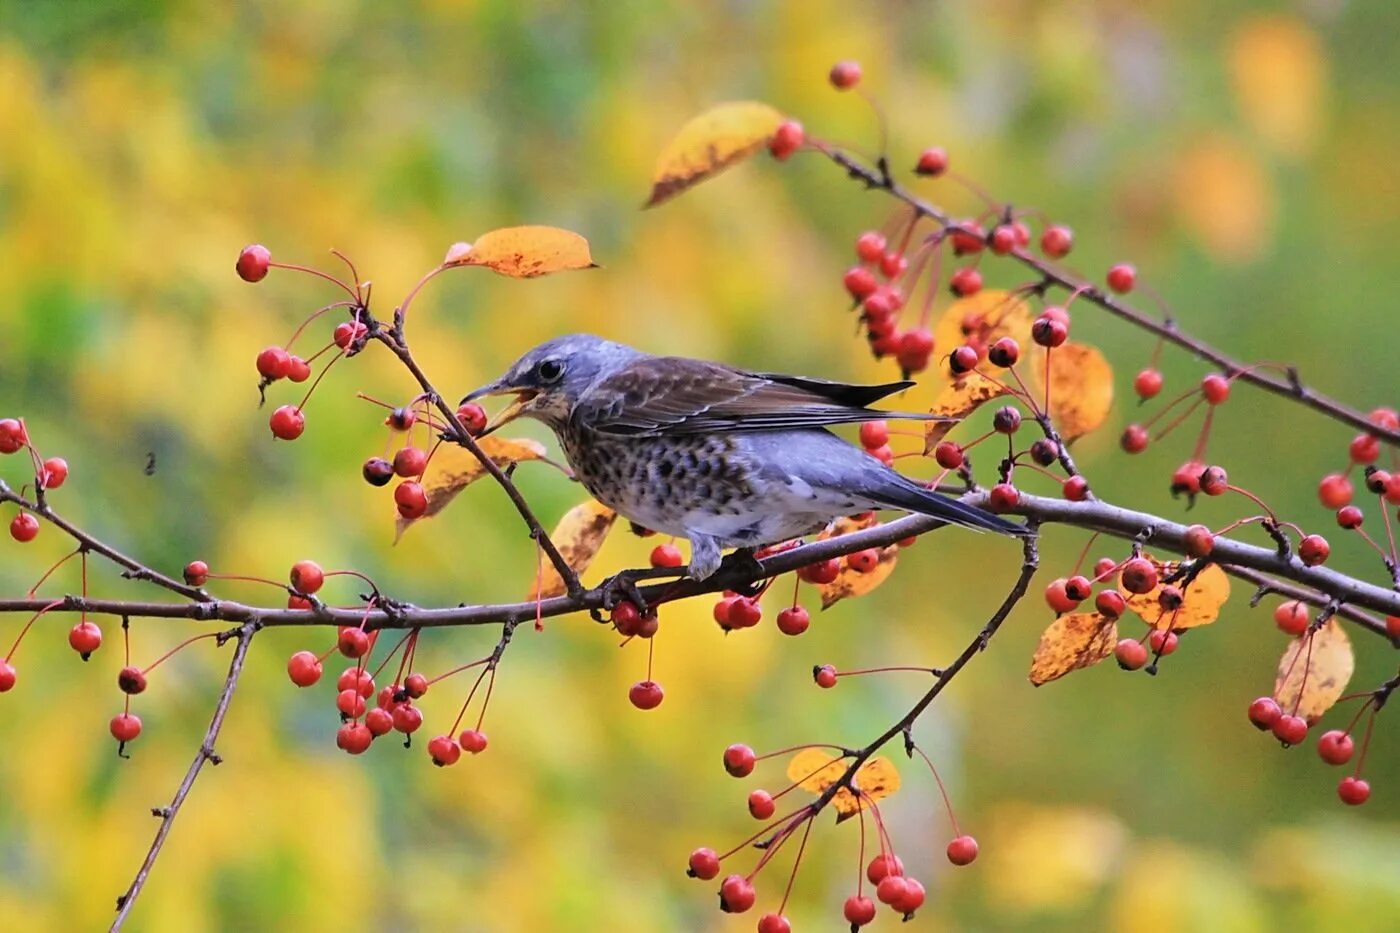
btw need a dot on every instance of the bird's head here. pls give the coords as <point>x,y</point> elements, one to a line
<point>549,380</point>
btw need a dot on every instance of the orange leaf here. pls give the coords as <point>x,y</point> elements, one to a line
<point>1071,642</point>
<point>1201,601</point>
<point>1314,671</point>
<point>851,582</point>
<point>524,252</point>
<point>578,536</point>
<point>815,770</point>
<point>709,144</point>
<point>454,468</point>
<point>958,400</point>
<point>1081,387</point>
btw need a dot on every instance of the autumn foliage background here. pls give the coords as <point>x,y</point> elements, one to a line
<point>1241,155</point>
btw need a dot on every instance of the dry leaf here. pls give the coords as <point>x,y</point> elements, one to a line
<point>815,770</point>
<point>578,536</point>
<point>958,400</point>
<point>1314,671</point>
<point>850,582</point>
<point>710,143</point>
<point>454,468</point>
<point>524,252</point>
<point>1071,642</point>
<point>1201,601</point>
<point>1081,387</point>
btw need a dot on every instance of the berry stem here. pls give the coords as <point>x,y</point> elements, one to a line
<point>188,641</point>
<point>942,790</point>
<point>293,267</point>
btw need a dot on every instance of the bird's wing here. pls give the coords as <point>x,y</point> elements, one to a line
<point>674,395</point>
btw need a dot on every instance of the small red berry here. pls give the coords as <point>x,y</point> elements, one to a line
<point>870,246</point>
<point>1215,388</point>
<point>1004,352</point>
<point>666,555</point>
<point>1058,599</point>
<point>963,360</point>
<point>125,726</point>
<point>1392,627</point>
<point>473,418</point>
<point>24,527</point>
<point>54,473</point>
<point>890,889</point>
<point>410,462</point>
<point>352,642</point>
<point>357,679</point>
<point>473,740</point>
<point>353,737</point>
<point>1350,517</point>
<point>444,750</point>
<point>787,139</point>
<point>739,760</point>
<point>1387,418</point>
<point>1162,642</point>
<point>874,434</point>
<point>1334,491</point>
<point>1264,712</point>
<point>1314,550</point>
<point>1006,419</point>
<point>1148,383</point>
<point>962,850</point>
<point>845,75</point>
<point>377,471</point>
<point>1290,730</point>
<point>1121,278</point>
<point>407,718</point>
<point>1139,575</point>
<point>287,423</point>
<point>401,419</point>
<point>736,894</point>
<point>85,638</point>
<point>274,363</point>
<point>745,612</point>
<point>761,805</point>
<point>131,680</point>
<point>1056,242</point>
<point>892,265</point>
<point>1003,498</point>
<point>1104,566</point>
<point>1198,541</point>
<point>1377,481</point>
<point>350,704</point>
<point>882,866</point>
<point>949,455</point>
<point>7,676</point>
<point>1002,239</point>
<point>1049,332</point>
<point>1214,481</point>
<point>932,161</point>
<point>794,620</point>
<point>965,282</point>
<point>646,694</point>
<point>1130,654</point>
<point>703,864</point>
<point>1335,747</point>
<point>379,721</point>
<point>860,282</point>
<point>822,572</point>
<point>1364,448</point>
<point>912,898</point>
<point>253,263</point>
<point>1353,791</point>
<point>12,435</point>
<point>307,576</point>
<point>825,676</point>
<point>858,910</point>
<point>864,561</point>
<point>1110,604</point>
<point>298,370</point>
<point>774,923</point>
<point>196,573</point>
<point>304,668</point>
<point>1134,439</point>
<point>410,499</point>
<point>347,333</point>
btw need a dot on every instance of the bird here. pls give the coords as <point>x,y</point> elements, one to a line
<point>722,456</point>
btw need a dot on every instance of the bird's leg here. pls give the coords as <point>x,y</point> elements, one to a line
<point>741,562</point>
<point>623,585</point>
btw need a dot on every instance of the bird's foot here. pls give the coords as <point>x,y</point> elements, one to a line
<point>622,586</point>
<point>742,563</point>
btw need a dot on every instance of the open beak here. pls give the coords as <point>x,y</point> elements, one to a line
<point>514,410</point>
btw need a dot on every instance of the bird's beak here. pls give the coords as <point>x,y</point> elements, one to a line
<point>514,410</point>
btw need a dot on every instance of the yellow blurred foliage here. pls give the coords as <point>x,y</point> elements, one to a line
<point>1224,197</point>
<point>1278,72</point>
<point>1043,859</point>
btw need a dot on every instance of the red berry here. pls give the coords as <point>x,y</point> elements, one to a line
<point>1006,419</point>
<point>473,740</point>
<point>1139,575</point>
<point>1003,498</point>
<point>722,611</point>
<point>1290,730</point>
<point>787,139</point>
<point>1392,627</point>
<point>377,471</point>
<point>739,760</point>
<point>379,721</point>
<point>350,704</point>
<point>131,680</point>
<point>948,455</point>
<point>794,620</point>
<point>1148,383</point>
<point>299,602</point>
<point>962,850</point>
<point>965,282</point>
<point>1264,712</point>
<point>892,265</point>
<point>274,363</point>
<point>410,499</point>
<point>12,435</point>
<point>666,555</point>
<point>1387,418</point>
<point>968,238</point>
<point>347,333</point>
<point>1110,604</point>
<point>1122,278</point>
<point>874,434</point>
<point>860,282</point>
<point>1314,550</point>
<point>858,910</point>
<point>24,527</point>
<point>1214,481</point>
<point>307,576</point>
<point>1134,439</point>
<point>85,638</point>
<point>963,360</point>
<point>870,246</point>
<point>401,419</point>
<point>646,694</point>
<point>736,894</point>
<point>1130,654</point>
<point>410,462</point>
<point>1045,452</point>
<point>774,923</point>
<point>626,618</point>
<point>1056,242</point>
<point>1350,517</point>
<point>864,561</point>
<point>7,676</point>
<point>1198,541</point>
<point>912,898</point>
<point>1162,642</point>
<point>1377,481</point>
<point>1104,566</point>
<point>915,348</point>
<point>1335,747</point>
<point>1002,239</point>
<point>407,718</point>
<point>1364,448</point>
<point>704,864</point>
<point>890,889</point>
<point>54,473</point>
<point>304,668</point>
<point>444,750</point>
<point>932,161</point>
<point>352,642</point>
<point>125,726</point>
<point>825,676</point>
<point>1049,332</point>
<point>745,612</point>
<point>298,370</point>
<point>353,737</point>
<point>883,865</point>
<point>287,423</point>
<point>1215,388</point>
<point>253,263</point>
<point>845,75</point>
<point>1392,489</point>
<point>1004,352</point>
<point>761,805</point>
<point>473,418</point>
<point>1334,491</point>
<point>1058,599</point>
<point>357,679</point>
<point>196,573</point>
<point>1353,791</point>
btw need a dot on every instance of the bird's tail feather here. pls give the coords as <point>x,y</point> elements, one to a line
<point>912,497</point>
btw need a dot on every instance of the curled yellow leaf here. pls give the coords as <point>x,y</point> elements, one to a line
<point>524,252</point>
<point>1200,604</point>
<point>454,468</point>
<point>1314,671</point>
<point>850,581</point>
<point>815,770</point>
<point>709,144</point>
<point>1081,387</point>
<point>1072,642</point>
<point>956,401</point>
<point>578,536</point>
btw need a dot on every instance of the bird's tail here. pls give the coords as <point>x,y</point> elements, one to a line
<point>908,495</point>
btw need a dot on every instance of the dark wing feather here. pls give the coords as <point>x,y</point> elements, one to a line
<point>674,395</point>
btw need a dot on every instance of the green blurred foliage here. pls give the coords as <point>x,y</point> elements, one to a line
<point>1241,155</point>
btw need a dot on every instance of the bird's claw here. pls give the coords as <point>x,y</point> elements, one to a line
<point>620,587</point>
<point>744,565</point>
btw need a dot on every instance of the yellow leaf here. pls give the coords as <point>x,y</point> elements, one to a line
<point>1314,671</point>
<point>1037,859</point>
<point>1278,70</point>
<point>710,143</point>
<point>1201,601</point>
<point>851,582</point>
<point>815,770</point>
<point>578,536</point>
<point>1071,642</point>
<point>1224,197</point>
<point>454,468</point>
<point>1081,387</point>
<point>958,400</point>
<point>524,252</point>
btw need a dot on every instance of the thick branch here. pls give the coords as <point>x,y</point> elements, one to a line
<point>205,754</point>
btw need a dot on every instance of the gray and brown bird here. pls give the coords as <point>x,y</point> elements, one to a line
<point>721,456</point>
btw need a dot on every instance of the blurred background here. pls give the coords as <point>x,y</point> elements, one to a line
<point>1241,154</point>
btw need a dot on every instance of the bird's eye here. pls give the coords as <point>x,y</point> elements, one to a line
<point>550,371</point>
